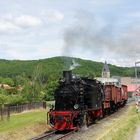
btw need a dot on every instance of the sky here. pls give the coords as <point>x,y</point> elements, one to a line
<point>97,30</point>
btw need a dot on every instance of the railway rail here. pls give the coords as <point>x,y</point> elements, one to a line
<point>54,135</point>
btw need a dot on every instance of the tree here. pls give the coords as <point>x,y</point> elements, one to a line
<point>52,84</point>
<point>20,80</point>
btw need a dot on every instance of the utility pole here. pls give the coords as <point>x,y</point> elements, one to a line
<point>136,73</point>
<point>136,78</point>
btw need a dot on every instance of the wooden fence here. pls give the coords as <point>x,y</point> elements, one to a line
<point>7,110</point>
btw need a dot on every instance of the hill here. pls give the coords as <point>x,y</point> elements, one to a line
<point>36,80</point>
<point>55,65</point>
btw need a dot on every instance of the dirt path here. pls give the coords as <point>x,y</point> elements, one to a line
<point>137,134</point>
<point>98,130</point>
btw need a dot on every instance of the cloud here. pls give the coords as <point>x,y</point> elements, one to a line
<point>27,21</point>
<point>27,51</point>
<point>8,27</point>
<point>53,15</point>
<point>14,24</point>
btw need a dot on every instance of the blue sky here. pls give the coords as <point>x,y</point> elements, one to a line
<point>98,30</point>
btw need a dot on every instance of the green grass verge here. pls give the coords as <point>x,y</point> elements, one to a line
<point>22,120</point>
<point>124,127</point>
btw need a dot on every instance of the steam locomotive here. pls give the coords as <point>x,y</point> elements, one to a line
<point>80,101</point>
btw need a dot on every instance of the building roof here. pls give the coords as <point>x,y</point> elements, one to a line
<point>113,81</point>
<point>105,67</point>
<point>132,87</point>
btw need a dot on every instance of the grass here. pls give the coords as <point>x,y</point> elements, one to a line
<point>24,125</point>
<point>23,120</point>
<point>124,127</point>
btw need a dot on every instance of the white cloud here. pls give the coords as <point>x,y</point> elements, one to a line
<point>28,21</point>
<point>12,24</point>
<point>8,27</point>
<point>26,51</point>
<point>53,15</point>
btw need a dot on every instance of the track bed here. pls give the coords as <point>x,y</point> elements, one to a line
<point>97,130</point>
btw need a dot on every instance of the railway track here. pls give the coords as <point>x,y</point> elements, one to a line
<point>57,135</point>
<point>54,135</point>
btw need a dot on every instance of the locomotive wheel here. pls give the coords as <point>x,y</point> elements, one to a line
<point>80,121</point>
<point>79,126</point>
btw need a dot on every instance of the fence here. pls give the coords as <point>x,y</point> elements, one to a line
<point>7,110</point>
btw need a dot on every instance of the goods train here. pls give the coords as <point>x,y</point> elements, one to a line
<point>80,101</point>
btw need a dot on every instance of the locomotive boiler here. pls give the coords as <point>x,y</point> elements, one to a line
<point>78,101</point>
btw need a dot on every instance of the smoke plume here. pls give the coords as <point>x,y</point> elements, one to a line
<point>90,35</point>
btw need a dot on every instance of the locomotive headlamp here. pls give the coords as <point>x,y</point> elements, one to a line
<point>76,106</point>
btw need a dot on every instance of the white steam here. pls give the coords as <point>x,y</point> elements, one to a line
<point>74,65</point>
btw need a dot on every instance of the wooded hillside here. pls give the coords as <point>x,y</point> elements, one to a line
<point>55,65</point>
<point>36,80</point>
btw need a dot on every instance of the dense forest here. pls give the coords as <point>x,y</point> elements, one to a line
<point>35,80</point>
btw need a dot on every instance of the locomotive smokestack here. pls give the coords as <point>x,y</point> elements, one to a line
<point>67,75</point>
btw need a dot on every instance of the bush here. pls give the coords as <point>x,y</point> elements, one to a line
<point>15,99</point>
<point>3,99</point>
<point>8,81</point>
<point>3,91</point>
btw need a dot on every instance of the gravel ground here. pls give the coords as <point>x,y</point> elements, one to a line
<point>97,131</point>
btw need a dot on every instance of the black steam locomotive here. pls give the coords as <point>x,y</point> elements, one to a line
<point>78,101</point>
